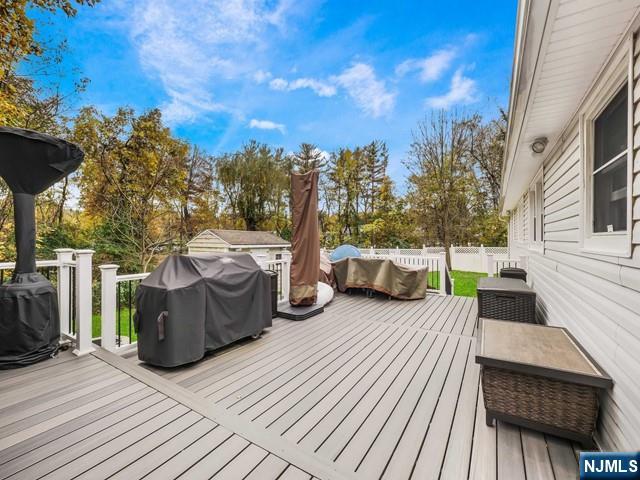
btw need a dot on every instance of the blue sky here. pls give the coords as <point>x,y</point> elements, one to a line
<point>338,73</point>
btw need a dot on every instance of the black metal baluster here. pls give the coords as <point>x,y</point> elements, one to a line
<point>130,329</point>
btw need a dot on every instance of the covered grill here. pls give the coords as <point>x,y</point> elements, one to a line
<point>192,304</point>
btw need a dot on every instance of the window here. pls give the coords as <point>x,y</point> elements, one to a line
<point>610,166</point>
<point>606,139</point>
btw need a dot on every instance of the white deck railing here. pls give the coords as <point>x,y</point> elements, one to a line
<point>495,264</point>
<point>72,271</point>
<point>433,263</point>
<point>117,292</point>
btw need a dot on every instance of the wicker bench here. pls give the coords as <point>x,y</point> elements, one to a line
<point>512,272</point>
<point>506,299</point>
<point>539,377</point>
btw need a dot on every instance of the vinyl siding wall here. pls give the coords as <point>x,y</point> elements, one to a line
<point>207,242</point>
<point>597,297</point>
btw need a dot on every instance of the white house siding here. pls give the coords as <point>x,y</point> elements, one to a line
<point>597,297</point>
<point>207,242</point>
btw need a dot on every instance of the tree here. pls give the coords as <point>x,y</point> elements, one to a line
<point>442,186</point>
<point>344,191</point>
<point>21,102</point>
<point>254,182</point>
<point>197,203</point>
<point>375,162</point>
<point>487,152</point>
<point>308,157</point>
<point>133,169</point>
<point>24,53</point>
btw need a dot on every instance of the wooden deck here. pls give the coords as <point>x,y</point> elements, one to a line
<point>369,389</point>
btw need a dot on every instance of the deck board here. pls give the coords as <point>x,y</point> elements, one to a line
<point>371,388</point>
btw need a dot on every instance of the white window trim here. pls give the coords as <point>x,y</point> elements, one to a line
<point>616,244</point>
<point>538,203</point>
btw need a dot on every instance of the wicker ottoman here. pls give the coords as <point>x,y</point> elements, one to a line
<point>512,272</point>
<point>506,299</point>
<point>539,377</point>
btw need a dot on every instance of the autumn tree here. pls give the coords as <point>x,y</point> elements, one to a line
<point>442,186</point>
<point>254,183</point>
<point>24,53</point>
<point>486,150</point>
<point>22,102</point>
<point>133,168</point>
<point>198,201</point>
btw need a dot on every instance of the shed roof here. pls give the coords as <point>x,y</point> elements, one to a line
<point>245,237</point>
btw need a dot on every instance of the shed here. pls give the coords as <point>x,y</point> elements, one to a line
<point>260,242</point>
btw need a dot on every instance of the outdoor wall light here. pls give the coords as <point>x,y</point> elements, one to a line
<point>539,144</point>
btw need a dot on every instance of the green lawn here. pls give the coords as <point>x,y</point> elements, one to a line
<point>465,286</point>
<point>124,324</point>
<point>465,282</point>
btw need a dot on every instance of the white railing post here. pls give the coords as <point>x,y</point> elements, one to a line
<point>83,302</point>
<point>490,265</point>
<point>286,275</point>
<point>442,267</point>
<point>524,262</point>
<point>64,256</point>
<point>108,305</point>
<point>452,256</point>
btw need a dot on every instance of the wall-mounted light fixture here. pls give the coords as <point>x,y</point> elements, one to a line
<point>539,144</point>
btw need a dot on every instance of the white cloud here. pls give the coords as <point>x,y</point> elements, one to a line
<point>369,93</point>
<point>462,91</point>
<point>260,76</point>
<point>431,68</point>
<point>267,125</point>
<point>320,88</point>
<point>191,45</point>
<point>278,84</point>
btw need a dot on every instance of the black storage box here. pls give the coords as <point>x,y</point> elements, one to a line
<point>506,299</point>
<point>511,272</point>
<point>274,292</point>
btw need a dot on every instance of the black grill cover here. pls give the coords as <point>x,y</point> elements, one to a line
<point>192,304</point>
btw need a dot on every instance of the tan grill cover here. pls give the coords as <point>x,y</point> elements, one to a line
<point>305,241</point>
<point>381,275</point>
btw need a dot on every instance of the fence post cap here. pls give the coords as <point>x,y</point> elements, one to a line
<point>64,250</point>
<point>109,266</point>
<point>85,252</point>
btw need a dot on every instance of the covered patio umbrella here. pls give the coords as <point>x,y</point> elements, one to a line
<point>305,241</point>
<point>30,162</point>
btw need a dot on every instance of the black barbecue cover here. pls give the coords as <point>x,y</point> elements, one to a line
<point>192,304</point>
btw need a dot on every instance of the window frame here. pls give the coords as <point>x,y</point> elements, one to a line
<point>607,243</point>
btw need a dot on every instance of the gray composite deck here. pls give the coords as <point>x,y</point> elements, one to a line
<point>369,389</point>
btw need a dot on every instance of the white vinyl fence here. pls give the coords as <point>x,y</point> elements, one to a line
<point>474,258</point>
<point>440,282</point>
